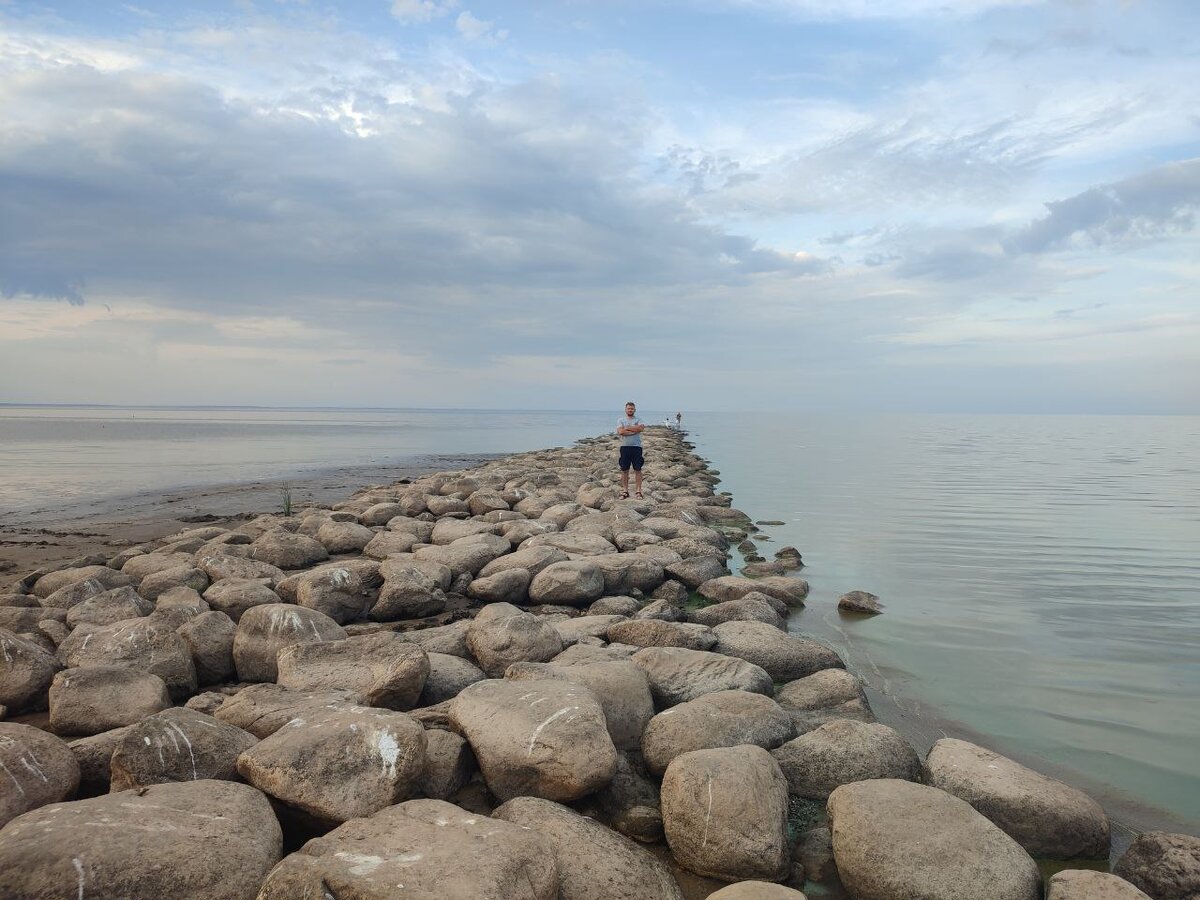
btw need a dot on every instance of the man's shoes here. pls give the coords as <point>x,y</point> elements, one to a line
<point>638,495</point>
<point>624,495</point>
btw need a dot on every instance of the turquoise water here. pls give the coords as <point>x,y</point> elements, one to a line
<point>1041,575</point>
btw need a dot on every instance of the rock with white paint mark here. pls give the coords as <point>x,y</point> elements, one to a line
<point>339,764</point>
<point>109,607</point>
<point>448,675</point>
<point>387,670</point>
<point>223,566</point>
<point>147,645</point>
<point>211,839</point>
<point>178,745</point>
<point>94,755</point>
<point>36,768</point>
<point>541,738</point>
<point>336,591</point>
<point>719,719</point>
<point>265,630</point>
<point>424,845</point>
<point>725,814</point>
<point>501,635</point>
<point>844,751</point>
<point>594,862</point>
<point>100,698</point>
<point>210,638</point>
<point>26,671</point>
<point>619,685</point>
<point>262,709</point>
<point>233,596</point>
<point>677,675</point>
<point>785,658</point>
<point>411,589</point>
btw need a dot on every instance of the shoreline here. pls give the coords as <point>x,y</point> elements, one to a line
<point>148,517</point>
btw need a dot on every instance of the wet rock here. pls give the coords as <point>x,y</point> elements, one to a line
<point>842,752</point>
<point>860,602</point>
<point>784,657</point>
<point>1164,865</point>
<point>898,839</point>
<point>594,862</point>
<point>725,814</point>
<point>719,719</point>
<point>1045,816</point>
<point>752,607</point>
<point>209,636</point>
<point>339,764</point>
<point>265,630</point>
<point>100,698</point>
<point>421,844</point>
<point>791,591</point>
<point>177,745</point>
<point>262,709</point>
<point>696,570</point>
<point>386,670</point>
<point>38,768</point>
<point>501,635</point>
<point>544,738</point>
<point>678,675</point>
<point>211,839</point>
<point>26,671</point>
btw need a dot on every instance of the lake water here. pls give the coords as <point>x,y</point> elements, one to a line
<point>1040,575</point>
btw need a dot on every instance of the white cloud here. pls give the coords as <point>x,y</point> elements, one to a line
<point>473,29</point>
<point>421,10</point>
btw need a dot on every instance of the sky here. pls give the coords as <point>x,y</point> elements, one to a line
<point>815,205</point>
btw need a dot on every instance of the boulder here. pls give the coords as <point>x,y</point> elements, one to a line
<point>233,596</point>
<point>221,566</point>
<point>543,739</point>
<point>791,591</point>
<point>423,845</point>
<point>139,568</point>
<point>265,630</point>
<point>262,709</point>
<point>784,657</point>
<point>572,583</point>
<point>466,556</point>
<point>501,635</point>
<point>449,639</point>
<point>753,607</point>
<point>411,588</point>
<point>449,764</point>
<point>344,537</point>
<point>594,862</point>
<point>287,550</point>
<point>823,689</point>
<point>614,606</point>
<point>209,636</point>
<point>575,544</point>
<point>103,577</point>
<point>447,531</point>
<point>26,671</point>
<point>211,839</point>
<point>531,559</point>
<point>177,576</point>
<point>38,768</point>
<point>109,607</point>
<point>725,814</point>
<point>508,586</point>
<point>677,675</point>
<point>627,572</point>
<point>572,630</point>
<point>389,543</point>
<point>448,675</point>
<point>339,764</point>
<point>696,570</point>
<point>842,752</point>
<point>381,513</point>
<point>1164,865</point>
<point>756,890</point>
<point>719,719</point>
<point>860,602</point>
<point>899,839</point>
<point>94,755</point>
<point>1045,816</point>
<point>177,745</point>
<point>664,609</point>
<point>100,698</point>
<point>1084,884</point>
<point>143,644</point>
<point>619,685</point>
<point>388,671</point>
<point>336,591</point>
<point>629,803</point>
<point>658,633</point>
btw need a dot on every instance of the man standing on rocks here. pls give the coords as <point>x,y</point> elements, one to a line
<point>630,429</point>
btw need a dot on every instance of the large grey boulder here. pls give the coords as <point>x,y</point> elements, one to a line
<point>139,568</point>
<point>449,764</point>
<point>336,591</point>
<point>449,639</point>
<point>387,670</point>
<point>389,543</point>
<point>100,698</point>
<point>543,738</point>
<point>594,862</point>
<point>1045,816</point>
<point>531,559</point>
<point>752,607</point>
<point>791,591</point>
<point>162,581</point>
<point>464,556</point>
<point>222,566</point>
<point>571,583</point>
<point>895,839</point>
<point>627,572</point>
<point>589,626</point>
<point>233,596</point>
<point>448,675</point>
<point>785,658</point>
<point>844,751</point>
<point>725,814</point>
<point>501,635</point>
<point>677,675</point>
<point>507,586</point>
<point>694,571</point>
<point>265,630</point>
<point>286,550</point>
<point>26,671</point>
<point>38,768</point>
<point>411,588</point>
<point>1164,865</point>
<point>339,764</point>
<point>659,633</point>
<point>447,531</point>
<point>821,690</point>
<point>94,755</point>
<point>619,685</point>
<point>1084,884</point>
<point>111,606</point>
<point>103,578</point>
<point>177,745</point>
<point>757,890</point>
<point>209,636</point>
<point>142,644</point>
<point>262,709</point>
<point>719,719</point>
<point>344,537</point>
<point>211,839</point>
<point>629,803</point>
<point>433,848</point>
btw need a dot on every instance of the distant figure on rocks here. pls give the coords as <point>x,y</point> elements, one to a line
<point>630,429</point>
<point>678,420</point>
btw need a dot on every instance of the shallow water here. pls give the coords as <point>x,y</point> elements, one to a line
<point>1040,575</point>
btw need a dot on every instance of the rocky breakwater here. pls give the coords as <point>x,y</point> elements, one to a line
<point>503,682</point>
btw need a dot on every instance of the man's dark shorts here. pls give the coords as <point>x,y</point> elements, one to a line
<point>631,456</point>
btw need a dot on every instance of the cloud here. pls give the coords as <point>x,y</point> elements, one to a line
<point>881,9</point>
<point>473,29</point>
<point>421,10</point>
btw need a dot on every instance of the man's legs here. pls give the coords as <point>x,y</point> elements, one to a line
<point>624,461</point>
<point>637,471</point>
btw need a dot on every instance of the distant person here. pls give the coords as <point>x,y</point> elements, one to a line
<point>678,420</point>
<point>630,429</point>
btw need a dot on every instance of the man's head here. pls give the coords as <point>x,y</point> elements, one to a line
<point>630,408</point>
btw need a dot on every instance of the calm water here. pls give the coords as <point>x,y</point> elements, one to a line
<point>1041,575</point>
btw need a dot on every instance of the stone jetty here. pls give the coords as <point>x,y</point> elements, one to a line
<point>503,682</point>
